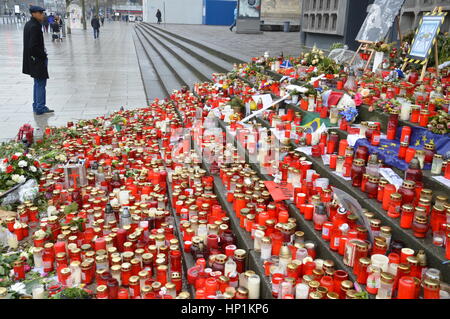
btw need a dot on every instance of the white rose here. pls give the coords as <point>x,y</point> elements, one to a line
<point>33,169</point>
<point>29,155</point>
<point>21,179</point>
<point>15,178</point>
<point>22,163</point>
<point>19,288</point>
<point>18,154</point>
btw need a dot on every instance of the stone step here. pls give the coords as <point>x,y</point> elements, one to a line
<point>162,62</point>
<point>183,64</point>
<point>208,47</point>
<point>152,83</point>
<point>211,59</point>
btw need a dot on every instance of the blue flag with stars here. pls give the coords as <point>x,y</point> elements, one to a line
<point>387,151</point>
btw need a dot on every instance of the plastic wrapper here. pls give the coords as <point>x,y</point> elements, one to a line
<point>344,56</point>
<point>26,192</point>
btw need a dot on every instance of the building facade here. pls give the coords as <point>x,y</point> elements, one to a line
<point>413,11</point>
<point>324,22</point>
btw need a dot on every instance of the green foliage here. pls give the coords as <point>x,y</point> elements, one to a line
<point>72,293</point>
<point>73,207</point>
<point>336,45</point>
<point>362,295</point>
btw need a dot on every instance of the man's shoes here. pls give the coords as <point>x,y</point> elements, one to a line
<point>231,29</point>
<point>45,111</point>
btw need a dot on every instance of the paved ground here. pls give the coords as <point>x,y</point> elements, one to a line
<point>244,46</point>
<point>87,77</point>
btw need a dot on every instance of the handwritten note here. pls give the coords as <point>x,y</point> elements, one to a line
<point>279,191</point>
<point>391,177</point>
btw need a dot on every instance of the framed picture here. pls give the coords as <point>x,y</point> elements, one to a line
<point>425,37</point>
<point>380,17</point>
<point>249,9</point>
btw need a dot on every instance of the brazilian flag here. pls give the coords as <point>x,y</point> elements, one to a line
<point>312,121</point>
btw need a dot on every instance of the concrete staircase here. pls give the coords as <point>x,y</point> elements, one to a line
<point>169,61</point>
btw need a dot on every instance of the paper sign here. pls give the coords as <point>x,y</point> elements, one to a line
<point>391,176</point>
<point>304,149</point>
<point>326,159</point>
<point>292,87</point>
<point>263,109</point>
<point>265,98</point>
<point>442,180</point>
<point>352,138</point>
<point>279,192</point>
<point>342,176</point>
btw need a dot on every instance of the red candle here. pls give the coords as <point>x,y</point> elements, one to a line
<point>308,212</point>
<point>406,288</point>
<point>333,161</point>
<point>100,243</point>
<point>388,190</point>
<point>342,146</point>
<point>409,155</point>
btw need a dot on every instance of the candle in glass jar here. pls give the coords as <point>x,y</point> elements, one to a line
<point>266,248</point>
<point>301,291</point>
<point>406,288</point>
<point>253,286</point>
<point>38,292</point>
<point>436,166</point>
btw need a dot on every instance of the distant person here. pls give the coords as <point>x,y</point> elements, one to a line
<point>45,23</point>
<point>102,20</point>
<point>51,20</point>
<point>158,16</point>
<point>56,30</point>
<point>35,60</point>
<point>95,23</point>
<point>235,19</point>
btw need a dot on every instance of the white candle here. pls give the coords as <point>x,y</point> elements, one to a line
<point>266,248</point>
<point>405,111</point>
<point>38,292</point>
<point>37,256</point>
<point>301,291</point>
<point>12,241</point>
<point>124,196</point>
<point>230,266</point>
<point>76,273</point>
<point>253,286</point>
<point>259,234</point>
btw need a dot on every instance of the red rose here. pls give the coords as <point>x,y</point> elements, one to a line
<point>9,169</point>
<point>36,163</point>
<point>5,160</point>
<point>14,157</point>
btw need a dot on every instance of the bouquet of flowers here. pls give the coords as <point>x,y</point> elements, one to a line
<point>382,46</point>
<point>349,114</point>
<point>17,169</point>
<point>440,124</point>
<point>387,105</point>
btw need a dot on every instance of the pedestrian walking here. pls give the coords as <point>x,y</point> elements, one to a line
<point>51,20</point>
<point>102,20</point>
<point>235,19</point>
<point>35,61</point>
<point>56,30</point>
<point>45,23</point>
<point>158,16</point>
<point>95,23</point>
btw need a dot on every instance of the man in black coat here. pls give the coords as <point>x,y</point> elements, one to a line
<point>95,23</point>
<point>35,58</point>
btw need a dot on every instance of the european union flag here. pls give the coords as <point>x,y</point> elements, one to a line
<point>387,151</point>
<point>286,64</point>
